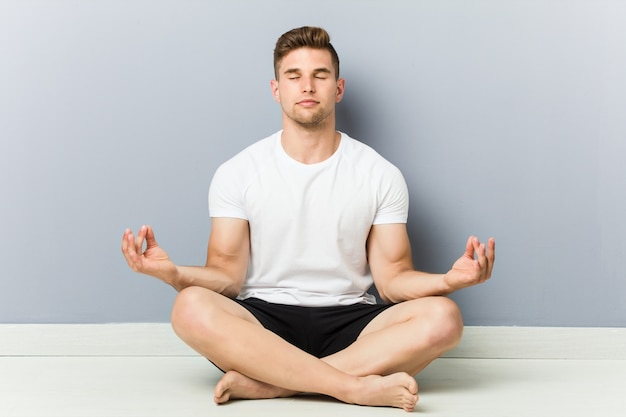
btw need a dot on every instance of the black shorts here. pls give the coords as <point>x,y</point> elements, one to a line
<point>320,331</point>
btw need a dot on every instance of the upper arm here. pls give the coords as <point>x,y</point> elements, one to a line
<point>229,247</point>
<point>389,254</point>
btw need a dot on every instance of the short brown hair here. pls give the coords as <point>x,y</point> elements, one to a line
<point>304,37</point>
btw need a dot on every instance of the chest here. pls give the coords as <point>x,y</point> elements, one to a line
<point>336,199</point>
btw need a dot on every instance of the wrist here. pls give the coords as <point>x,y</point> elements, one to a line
<point>177,279</point>
<point>446,287</point>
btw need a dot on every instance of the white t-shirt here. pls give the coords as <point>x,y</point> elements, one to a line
<point>309,223</point>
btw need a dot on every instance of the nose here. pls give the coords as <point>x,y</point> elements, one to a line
<point>307,85</point>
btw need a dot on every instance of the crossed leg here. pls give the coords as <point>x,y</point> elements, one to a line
<point>375,370</point>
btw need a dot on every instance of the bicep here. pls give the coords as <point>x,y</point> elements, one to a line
<point>389,252</point>
<point>229,246</point>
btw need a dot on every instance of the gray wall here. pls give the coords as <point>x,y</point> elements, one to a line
<point>506,117</point>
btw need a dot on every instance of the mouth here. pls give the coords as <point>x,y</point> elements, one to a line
<point>307,103</point>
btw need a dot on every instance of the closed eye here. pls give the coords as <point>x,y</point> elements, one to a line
<point>322,73</point>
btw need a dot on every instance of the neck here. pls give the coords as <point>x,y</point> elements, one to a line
<point>310,144</point>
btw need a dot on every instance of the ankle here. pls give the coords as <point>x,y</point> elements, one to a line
<point>351,390</point>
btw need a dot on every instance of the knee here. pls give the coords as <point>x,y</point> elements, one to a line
<point>446,323</point>
<point>188,313</point>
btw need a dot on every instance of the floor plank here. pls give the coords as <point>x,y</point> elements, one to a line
<point>183,386</point>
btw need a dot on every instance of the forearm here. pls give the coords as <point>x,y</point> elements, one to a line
<point>213,278</point>
<point>410,285</point>
<point>396,280</point>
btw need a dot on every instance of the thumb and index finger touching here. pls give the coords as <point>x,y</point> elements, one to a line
<point>484,252</point>
<point>473,245</point>
<point>150,239</point>
<point>145,234</point>
<point>148,233</point>
<point>134,244</point>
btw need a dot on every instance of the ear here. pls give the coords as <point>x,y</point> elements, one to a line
<point>341,85</point>
<point>275,93</point>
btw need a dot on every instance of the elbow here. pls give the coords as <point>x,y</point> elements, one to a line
<point>391,291</point>
<point>389,300</point>
<point>234,285</point>
<point>384,295</point>
<point>230,292</point>
<point>232,289</point>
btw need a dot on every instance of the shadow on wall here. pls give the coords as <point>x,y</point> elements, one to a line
<point>367,124</point>
<point>350,116</point>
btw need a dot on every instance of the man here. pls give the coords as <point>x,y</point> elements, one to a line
<point>302,223</point>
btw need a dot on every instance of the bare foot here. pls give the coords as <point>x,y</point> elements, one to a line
<point>397,390</point>
<point>234,385</point>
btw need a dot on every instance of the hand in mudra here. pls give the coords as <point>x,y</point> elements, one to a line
<point>151,261</point>
<point>474,267</point>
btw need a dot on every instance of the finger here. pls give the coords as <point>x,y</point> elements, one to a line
<point>125,245</point>
<point>469,247</point>
<point>150,239</point>
<point>481,257</point>
<point>491,254</point>
<point>141,237</point>
<point>125,241</point>
<point>128,248</point>
<point>132,248</point>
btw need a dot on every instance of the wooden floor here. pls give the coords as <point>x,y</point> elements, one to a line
<point>143,370</point>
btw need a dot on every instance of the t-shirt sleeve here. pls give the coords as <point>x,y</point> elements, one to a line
<point>226,194</point>
<point>394,199</point>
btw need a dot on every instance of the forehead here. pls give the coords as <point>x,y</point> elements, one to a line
<point>306,59</point>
